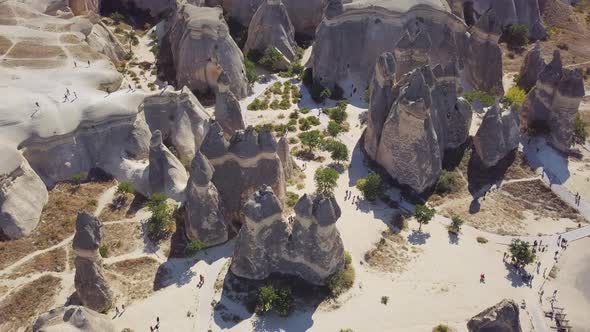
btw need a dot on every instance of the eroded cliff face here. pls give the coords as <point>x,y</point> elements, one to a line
<point>243,164</point>
<point>228,111</point>
<point>510,12</point>
<point>201,48</point>
<point>554,101</point>
<point>437,36</point>
<point>310,249</point>
<point>503,317</point>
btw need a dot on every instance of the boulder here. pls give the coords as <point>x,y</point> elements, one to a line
<point>497,135</point>
<point>554,101</point>
<point>74,319</point>
<point>271,27</point>
<point>311,250</point>
<point>22,196</point>
<point>201,48</point>
<point>502,317</point>
<point>204,219</point>
<point>248,161</point>
<point>530,69</point>
<point>228,112</point>
<point>91,286</point>
<point>180,118</point>
<point>167,175</point>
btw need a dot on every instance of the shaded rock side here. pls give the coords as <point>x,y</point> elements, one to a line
<point>74,319</point>
<point>532,66</point>
<point>22,198</point>
<point>411,52</point>
<point>554,101</point>
<point>513,12</point>
<point>201,48</point>
<point>228,112</point>
<point>167,175</point>
<point>286,158</point>
<point>91,286</point>
<point>497,135</point>
<point>311,250</point>
<point>248,161</point>
<point>181,119</point>
<point>271,27</point>
<point>502,317</point>
<point>204,219</point>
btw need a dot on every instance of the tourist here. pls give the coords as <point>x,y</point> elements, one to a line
<point>75,64</point>
<point>37,103</point>
<point>89,63</point>
<point>482,278</point>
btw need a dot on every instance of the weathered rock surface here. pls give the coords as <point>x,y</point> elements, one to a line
<point>555,101</point>
<point>167,175</point>
<point>89,280</point>
<point>204,219</point>
<point>532,66</point>
<point>286,158</point>
<point>201,48</point>
<point>413,122</point>
<point>312,249</point>
<point>376,29</point>
<point>73,319</point>
<point>411,52</point>
<point>83,7</point>
<point>102,40</point>
<point>497,135</point>
<point>502,317</point>
<point>248,161</point>
<point>155,9</point>
<point>181,119</point>
<point>271,27</point>
<point>22,197</point>
<point>512,12</point>
<point>228,112</point>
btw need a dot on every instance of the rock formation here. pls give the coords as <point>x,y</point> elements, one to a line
<point>83,7</point>
<point>532,66</point>
<point>181,119</point>
<point>497,135</point>
<point>204,219</point>
<point>91,286</point>
<point>228,112</point>
<point>334,61</point>
<point>554,101</point>
<point>502,317</point>
<point>411,52</point>
<point>312,249</point>
<point>154,9</point>
<point>74,319</point>
<point>201,48</point>
<point>248,161</point>
<point>413,122</point>
<point>286,158</point>
<point>22,196</point>
<point>102,40</point>
<point>333,8</point>
<point>511,12</point>
<point>271,27</point>
<point>167,175</point>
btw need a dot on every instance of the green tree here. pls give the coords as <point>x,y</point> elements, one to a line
<point>338,114</point>
<point>326,93</point>
<point>250,67</point>
<point>312,139</point>
<point>78,178</point>
<point>371,186</point>
<point>456,223</point>
<point>334,128</point>
<point>580,131</point>
<point>339,152</point>
<point>194,247</point>
<point>125,188</point>
<point>326,180</point>
<point>132,39</point>
<point>448,182</point>
<point>522,252</point>
<point>266,296</point>
<point>271,59</point>
<point>423,215</point>
<point>161,222</point>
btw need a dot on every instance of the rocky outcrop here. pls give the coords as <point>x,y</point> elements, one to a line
<point>74,319</point>
<point>228,112</point>
<point>554,101</point>
<point>411,52</point>
<point>311,249</point>
<point>503,317</point>
<point>201,48</point>
<point>22,196</point>
<point>286,158</point>
<point>181,119</point>
<point>167,175</point>
<point>143,9</point>
<point>413,122</point>
<point>83,7</point>
<point>333,8</point>
<point>248,161</point>
<point>497,135</point>
<point>512,12</point>
<point>271,27</point>
<point>532,66</point>
<point>91,286</point>
<point>334,61</point>
<point>102,40</point>
<point>204,220</point>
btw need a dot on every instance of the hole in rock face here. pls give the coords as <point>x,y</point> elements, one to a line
<point>134,15</point>
<point>468,13</point>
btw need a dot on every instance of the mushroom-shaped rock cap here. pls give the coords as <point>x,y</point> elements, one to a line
<point>263,204</point>
<point>201,170</point>
<point>88,232</point>
<point>324,209</point>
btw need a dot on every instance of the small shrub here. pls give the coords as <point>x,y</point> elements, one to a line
<point>456,223</point>
<point>294,115</point>
<point>293,140</point>
<point>103,250</point>
<point>342,280</point>
<point>78,178</point>
<point>485,98</point>
<point>334,128</point>
<point>580,130</point>
<point>250,67</point>
<point>194,247</point>
<point>292,199</point>
<point>515,96</point>
<point>371,186</point>
<point>304,110</point>
<point>125,188</point>
<point>271,299</point>
<point>482,240</point>
<point>313,120</point>
<point>448,182</point>
<point>517,36</point>
<point>563,46</point>
<point>441,328</point>
<point>117,17</point>
<point>384,299</point>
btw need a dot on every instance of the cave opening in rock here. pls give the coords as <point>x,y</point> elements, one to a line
<point>133,15</point>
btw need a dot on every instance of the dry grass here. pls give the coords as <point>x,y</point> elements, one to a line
<point>33,63</point>
<point>21,307</point>
<point>133,278</point>
<point>83,53</point>
<point>57,220</point>
<point>31,50</point>
<point>69,39</point>
<point>128,210</point>
<point>51,261</point>
<point>391,253</point>
<point>121,239</point>
<point>537,197</point>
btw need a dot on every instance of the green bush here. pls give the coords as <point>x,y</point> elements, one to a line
<point>326,180</point>
<point>161,223</point>
<point>292,199</point>
<point>103,250</point>
<point>271,299</point>
<point>78,178</point>
<point>423,215</point>
<point>304,110</point>
<point>517,36</point>
<point>125,188</point>
<point>313,120</point>
<point>334,128</point>
<point>481,239</point>
<point>304,125</point>
<point>580,130</point>
<point>441,328</point>
<point>371,186</point>
<point>339,152</point>
<point>250,67</point>
<point>294,115</point>
<point>515,96</point>
<point>456,223</point>
<point>384,299</point>
<point>448,182</point>
<point>312,139</point>
<point>485,98</point>
<point>117,17</point>
<point>342,280</point>
<point>271,59</point>
<point>194,247</point>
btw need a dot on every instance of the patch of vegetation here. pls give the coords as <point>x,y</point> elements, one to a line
<point>456,223</point>
<point>482,240</point>
<point>423,215</point>
<point>442,328</point>
<point>125,188</point>
<point>580,130</point>
<point>103,250</point>
<point>271,59</point>
<point>250,67</point>
<point>384,300</point>
<point>448,182</point>
<point>194,247</point>
<point>371,186</point>
<point>517,36</point>
<point>304,110</point>
<point>161,224</point>
<point>292,198</point>
<point>311,139</point>
<point>277,300</point>
<point>521,252</point>
<point>515,96</point>
<point>338,114</point>
<point>78,178</point>
<point>334,128</point>
<point>484,98</point>
<point>342,280</point>
<point>326,179</point>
